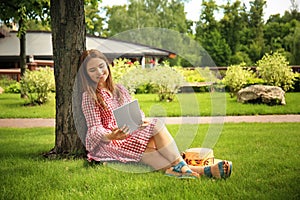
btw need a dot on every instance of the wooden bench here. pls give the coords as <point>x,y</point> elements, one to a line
<point>31,66</point>
<point>11,72</point>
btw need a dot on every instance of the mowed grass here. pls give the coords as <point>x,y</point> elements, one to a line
<point>13,106</point>
<point>265,160</point>
<point>208,104</point>
<point>195,104</point>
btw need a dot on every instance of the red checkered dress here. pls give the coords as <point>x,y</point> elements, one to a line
<point>101,121</point>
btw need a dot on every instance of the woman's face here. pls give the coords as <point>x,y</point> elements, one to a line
<point>97,70</point>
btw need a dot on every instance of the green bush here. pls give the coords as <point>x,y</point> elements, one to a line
<point>163,80</point>
<point>13,88</point>
<point>208,75</point>
<point>199,75</point>
<point>38,84</point>
<point>274,70</point>
<point>190,75</point>
<point>296,85</point>
<point>133,78</point>
<point>237,77</point>
<point>6,81</point>
<point>166,80</point>
<point>146,88</point>
<point>121,67</point>
<point>9,85</point>
<point>129,74</point>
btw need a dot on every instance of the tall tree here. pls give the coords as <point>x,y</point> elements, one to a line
<point>275,30</point>
<point>295,10</point>
<point>19,12</point>
<point>207,20</point>
<point>209,36</point>
<point>231,25</point>
<point>117,19</point>
<point>69,41</point>
<point>256,23</point>
<point>147,13</point>
<point>292,42</point>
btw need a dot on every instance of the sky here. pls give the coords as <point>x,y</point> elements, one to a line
<point>193,7</point>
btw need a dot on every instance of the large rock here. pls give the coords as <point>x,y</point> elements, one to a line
<point>270,95</point>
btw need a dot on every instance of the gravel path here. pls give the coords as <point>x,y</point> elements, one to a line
<point>37,122</point>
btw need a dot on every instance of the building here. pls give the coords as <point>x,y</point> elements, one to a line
<point>39,49</point>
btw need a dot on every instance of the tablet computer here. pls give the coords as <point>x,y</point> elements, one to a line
<point>130,115</point>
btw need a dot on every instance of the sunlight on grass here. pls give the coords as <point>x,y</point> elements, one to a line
<point>12,106</point>
<point>265,157</point>
<point>198,104</point>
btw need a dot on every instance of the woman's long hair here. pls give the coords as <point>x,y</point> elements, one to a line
<point>89,85</point>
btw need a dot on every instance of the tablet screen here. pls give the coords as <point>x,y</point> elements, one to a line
<point>129,114</point>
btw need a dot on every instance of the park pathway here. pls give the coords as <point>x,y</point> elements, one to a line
<point>38,122</point>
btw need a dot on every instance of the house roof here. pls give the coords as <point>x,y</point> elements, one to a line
<point>39,44</point>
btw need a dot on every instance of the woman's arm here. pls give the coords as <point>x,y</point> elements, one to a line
<point>97,131</point>
<point>93,119</point>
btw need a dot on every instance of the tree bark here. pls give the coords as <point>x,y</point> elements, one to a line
<point>22,39</point>
<point>68,39</point>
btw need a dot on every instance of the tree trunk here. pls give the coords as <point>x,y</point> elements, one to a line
<point>68,39</point>
<point>22,39</point>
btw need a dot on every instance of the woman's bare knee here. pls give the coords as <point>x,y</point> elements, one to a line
<point>159,127</point>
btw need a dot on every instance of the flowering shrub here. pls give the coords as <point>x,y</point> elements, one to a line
<point>121,67</point>
<point>237,77</point>
<point>274,70</point>
<point>190,75</point>
<point>129,74</point>
<point>166,80</point>
<point>133,79</point>
<point>38,84</point>
<point>207,74</point>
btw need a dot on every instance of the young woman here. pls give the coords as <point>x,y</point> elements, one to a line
<point>151,144</point>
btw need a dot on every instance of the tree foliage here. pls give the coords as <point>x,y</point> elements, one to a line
<point>93,20</point>
<point>241,35</point>
<point>209,36</point>
<point>20,11</point>
<point>147,13</point>
<point>231,25</point>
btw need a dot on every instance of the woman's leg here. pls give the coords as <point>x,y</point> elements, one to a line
<point>167,148</point>
<point>165,143</point>
<point>153,158</point>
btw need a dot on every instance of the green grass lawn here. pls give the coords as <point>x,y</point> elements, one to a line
<point>197,104</point>
<point>265,160</point>
<point>12,106</point>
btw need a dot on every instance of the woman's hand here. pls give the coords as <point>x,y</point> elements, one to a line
<point>118,133</point>
<point>145,123</point>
